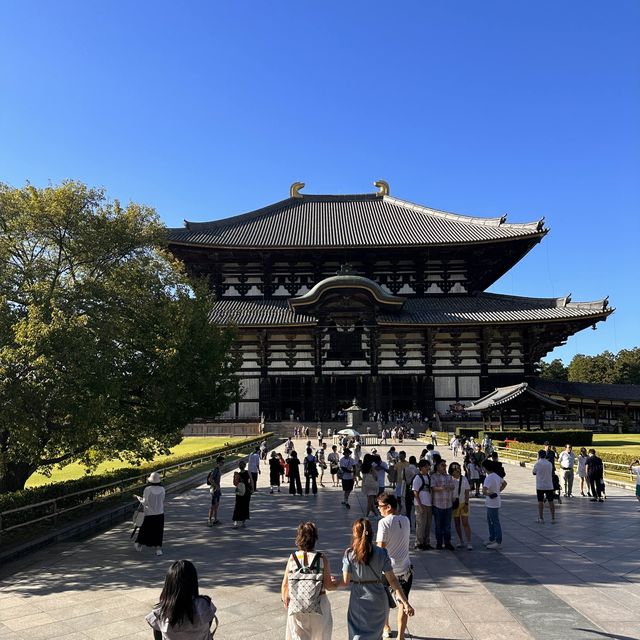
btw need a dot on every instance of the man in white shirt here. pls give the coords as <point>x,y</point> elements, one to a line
<point>543,471</point>
<point>422,501</point>
<point>346,469</point>
<point>394,535</point>
<point>567,459</point>
<point>254,467</point>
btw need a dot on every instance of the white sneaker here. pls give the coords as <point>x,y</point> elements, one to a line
<point>470,547</point>
<point>159,552</point>
<point>459,545</point>
<point>540,520</point>
<point>138,547</point>
<point>494,545</point>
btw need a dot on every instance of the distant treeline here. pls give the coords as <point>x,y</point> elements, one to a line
<point>606,367</point>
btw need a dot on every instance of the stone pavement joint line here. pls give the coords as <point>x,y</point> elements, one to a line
<point>578,579</point>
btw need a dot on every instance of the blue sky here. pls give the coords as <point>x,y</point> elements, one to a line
<point>209,109</point>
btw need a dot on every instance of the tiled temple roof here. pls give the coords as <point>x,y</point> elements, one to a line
<point>620,392</point>
<point>484,308</point>
<point>502,396</point>
<point>365,220</point>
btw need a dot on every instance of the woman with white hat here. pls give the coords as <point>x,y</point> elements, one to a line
<point>152,529</point>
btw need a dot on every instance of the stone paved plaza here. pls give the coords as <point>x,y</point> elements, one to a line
<point>579,579</point>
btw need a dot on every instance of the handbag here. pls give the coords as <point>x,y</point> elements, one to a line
<point>456,502</point>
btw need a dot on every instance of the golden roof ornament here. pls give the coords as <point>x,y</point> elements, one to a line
<point>383,187</point>
<point>294,190</point>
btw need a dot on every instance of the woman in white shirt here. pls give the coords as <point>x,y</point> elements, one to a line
<point>152,529</point>
<point>582,469</point>
<point>460,514</point>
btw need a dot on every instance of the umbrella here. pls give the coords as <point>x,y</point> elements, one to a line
<point>348,432</point>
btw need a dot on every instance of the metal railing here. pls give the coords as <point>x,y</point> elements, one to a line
<point>55,510</point>
<point>621,471</point>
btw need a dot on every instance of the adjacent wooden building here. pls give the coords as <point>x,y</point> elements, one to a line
<point>373,297</point>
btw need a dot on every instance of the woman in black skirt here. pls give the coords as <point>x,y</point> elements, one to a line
<point>152,529</point>
<point>274,471</point>
<point>294,474</point>
<point>244,488</point>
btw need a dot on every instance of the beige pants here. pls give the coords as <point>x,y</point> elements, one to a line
<point>423,524</point>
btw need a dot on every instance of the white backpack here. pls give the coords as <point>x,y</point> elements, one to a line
<point>305,585</point>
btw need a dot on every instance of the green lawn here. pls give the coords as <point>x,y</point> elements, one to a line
<point>623,443</point>
<point>186,447</point>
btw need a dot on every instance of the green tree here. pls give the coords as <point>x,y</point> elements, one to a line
<point>105,345</point>
<point>598,368</point>
<point>626,369</point>
<point>554,370</point>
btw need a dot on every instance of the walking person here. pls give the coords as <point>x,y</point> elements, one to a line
<point>293,464</point>
<point>213,480</point>
<point>254,467</point>
<point>567,460</point>
<point>582,470</point>
<point>442,486</point>
<point>369,484</point>
<point>310,473</point>
<point>243,482</point>
<point>492,487</point>
<point>394,535</point>
<point>543,471</point>
<point>422,501</point>
<point>151,531</point>
<point>365,566</point>
<point>308,626</point>
<point>275,472</point>
<point>460,514</point>
<point>346,471</point>
<point>400,488</point>
<point>182,612</point>
<point>595,474</point>
<point>333,459</point>
<point>322,462</point>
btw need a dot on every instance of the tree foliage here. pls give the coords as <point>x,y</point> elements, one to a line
<point>105,345</point>
<point>603,368</point>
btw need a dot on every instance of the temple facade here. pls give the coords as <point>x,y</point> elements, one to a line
<point>373,297</point>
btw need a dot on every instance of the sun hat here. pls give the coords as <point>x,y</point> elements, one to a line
<point>154,478</point>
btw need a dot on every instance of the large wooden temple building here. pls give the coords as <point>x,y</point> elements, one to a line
<point>373,297</point>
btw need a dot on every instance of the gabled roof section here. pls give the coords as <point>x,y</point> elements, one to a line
<point>502,396</point>
<point>483,309</point>
<point>590,390</point>
<point>364,220</point>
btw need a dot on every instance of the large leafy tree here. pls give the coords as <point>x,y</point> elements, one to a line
<point>554,370</point>
<point>598,368</point>
<point>105,345</point>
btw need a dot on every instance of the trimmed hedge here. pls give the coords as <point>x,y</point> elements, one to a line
<point>127,477</point>
<point>469,431</point>
<point>559,438</point>
<point>606,456</point>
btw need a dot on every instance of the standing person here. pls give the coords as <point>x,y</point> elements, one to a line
<point>369,484</point>
<point>319,434</point>
<point>308,626</point>
<point>582,470</point>
<point>366,566</point>
<point>434,438</point>
<point>346,468</point>
<point>400,466</point>
<point>151,531</point>
<point>392,458</point>
<point>182,612</point>
<point>566,460</point>
<point>460,512</point>
<point>322,462</point>
<point>595,474</point>
<point>473,474</point>
<point>543,471</point>
<point>394,535</point>
<point>409,473</point>
<point>243,482</point>
<point>288,446</point>
<point>381,468</point>
<point>442,486</point>
<point>213,480</point>
<point>293,463</point>
<point>263,450</point>
<point>550,453</point>
<point>634,467</point>
<point>254,467</point>
<point>334,459</point>
<point>422,501</point>
<point>357,462</point>
<point>492,486</point>
<point>275,472</point>
<point>310,472</point>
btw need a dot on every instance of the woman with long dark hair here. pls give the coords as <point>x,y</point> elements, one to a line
<point>152,529</point>
<point>182,612</point>
<point>243,482</point>
<point>367,568</point>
